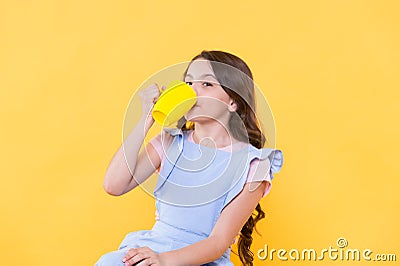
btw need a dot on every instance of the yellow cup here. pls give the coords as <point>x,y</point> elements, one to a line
<point>175,101</point>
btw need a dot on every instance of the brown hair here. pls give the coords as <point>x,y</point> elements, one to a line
<point>236,79</point>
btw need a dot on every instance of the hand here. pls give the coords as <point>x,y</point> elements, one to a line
<point>142,256</point>
<point>148,97</point>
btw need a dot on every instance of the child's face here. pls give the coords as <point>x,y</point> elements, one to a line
<point>212,102</point>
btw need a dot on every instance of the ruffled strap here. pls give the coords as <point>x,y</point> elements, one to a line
<point>276,161</point>
<point>174,152</point>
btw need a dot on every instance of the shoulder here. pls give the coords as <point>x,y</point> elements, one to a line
<point>266,162</point>
<point>161,142</point>
<point>267,158</point>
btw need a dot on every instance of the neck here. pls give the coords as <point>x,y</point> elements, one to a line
<point>213,132</point>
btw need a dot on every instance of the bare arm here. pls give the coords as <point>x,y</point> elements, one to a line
<point>128,168</point>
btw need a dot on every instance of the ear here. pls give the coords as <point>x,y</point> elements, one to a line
<point>232,107</point>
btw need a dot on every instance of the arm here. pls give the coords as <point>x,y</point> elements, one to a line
<point>230,222</point>
<point>125,172</point>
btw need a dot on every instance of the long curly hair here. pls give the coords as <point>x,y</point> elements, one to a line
<point>236,79</point>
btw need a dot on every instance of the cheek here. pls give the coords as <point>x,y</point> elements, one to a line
<point>216,93</point>
<point>211,107</point>
<point>222,95</point>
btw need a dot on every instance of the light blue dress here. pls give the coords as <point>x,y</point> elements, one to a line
<point>194,185</point>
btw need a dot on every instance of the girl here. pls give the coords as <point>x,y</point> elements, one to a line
<point>213,171</point>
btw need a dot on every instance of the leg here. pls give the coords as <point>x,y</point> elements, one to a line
<point>113,258</point>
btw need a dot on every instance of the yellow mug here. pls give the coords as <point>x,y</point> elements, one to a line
<point>174,102</point>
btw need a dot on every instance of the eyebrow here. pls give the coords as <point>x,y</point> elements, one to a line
<point>202,76</point>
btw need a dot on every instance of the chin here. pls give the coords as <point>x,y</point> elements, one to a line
<point>192,114</point>
<point>200,119</point>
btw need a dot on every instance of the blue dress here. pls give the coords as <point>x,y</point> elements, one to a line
<point>194,185</point>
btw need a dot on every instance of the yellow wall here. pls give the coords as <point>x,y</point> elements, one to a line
<point>329,70</point>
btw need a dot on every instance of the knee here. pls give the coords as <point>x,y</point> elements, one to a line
<point>111,259</point>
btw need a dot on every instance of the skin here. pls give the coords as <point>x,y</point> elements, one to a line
<point>212,110</point>
<point>211,116</point>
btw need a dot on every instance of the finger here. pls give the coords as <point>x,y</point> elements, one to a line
<point>150,92</point>
<point>131,263</point>
<point>142,253</point>
<point>154,88</point>
<point>150,96</point>
<point>153,85</point>
<point>144,249</point>
<point>144,262</point>
<point>147,262</point>
<point>130,254</point>
<point>136,260</point>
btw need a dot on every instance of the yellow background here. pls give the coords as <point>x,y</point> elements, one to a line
<point>329,70</point>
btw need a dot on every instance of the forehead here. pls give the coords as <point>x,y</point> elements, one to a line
<point>199,67</point>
